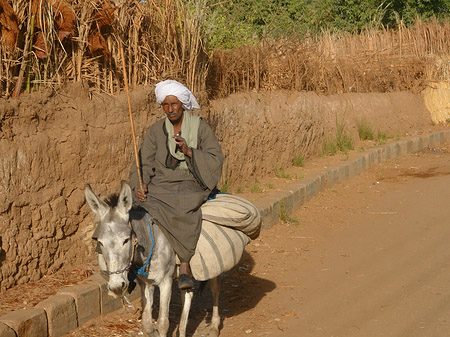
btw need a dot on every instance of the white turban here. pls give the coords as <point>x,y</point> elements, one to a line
<point>174,88</point>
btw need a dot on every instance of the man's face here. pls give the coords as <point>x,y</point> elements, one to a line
<point>173,108</point>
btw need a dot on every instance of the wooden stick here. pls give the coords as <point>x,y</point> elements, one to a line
<point>24,64</point>
<point>125,79</point>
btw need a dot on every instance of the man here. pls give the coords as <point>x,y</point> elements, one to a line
<point>181,162</point>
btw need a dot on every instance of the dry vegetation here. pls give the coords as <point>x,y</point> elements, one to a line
<point>66,40</point>
<point>160,39</point>
<point>374,61</point>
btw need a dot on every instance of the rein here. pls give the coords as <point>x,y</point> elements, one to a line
<point>141,270</point>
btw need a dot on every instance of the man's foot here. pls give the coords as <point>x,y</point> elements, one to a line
<point>185,282</point>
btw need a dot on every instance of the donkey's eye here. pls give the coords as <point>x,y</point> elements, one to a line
<point>126,241</point>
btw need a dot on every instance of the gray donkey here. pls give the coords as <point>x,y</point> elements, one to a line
<point>139,248</point>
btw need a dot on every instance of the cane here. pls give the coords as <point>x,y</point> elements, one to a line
<point>125,78</point>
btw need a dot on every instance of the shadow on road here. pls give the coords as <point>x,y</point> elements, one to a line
<point>240,292</point>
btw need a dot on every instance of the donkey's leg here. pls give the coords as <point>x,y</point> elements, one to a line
<point>214,284</point>
<point>186,300</point>
<point>147,303</point>
<point>165,291</point>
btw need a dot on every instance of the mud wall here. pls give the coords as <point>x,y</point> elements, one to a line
<point>51,144</point>
<point>265,131</point>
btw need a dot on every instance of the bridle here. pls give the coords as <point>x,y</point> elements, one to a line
<point>130,266</point>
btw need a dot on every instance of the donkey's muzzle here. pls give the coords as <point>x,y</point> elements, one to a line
<point>118,288</point>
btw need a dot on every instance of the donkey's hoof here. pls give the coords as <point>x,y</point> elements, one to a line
<point>185,282</point>
<point>213,333</point>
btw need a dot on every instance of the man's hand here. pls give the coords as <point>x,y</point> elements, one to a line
<point>141,194</point>
<point>182,145</point>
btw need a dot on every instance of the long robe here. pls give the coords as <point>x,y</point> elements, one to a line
<point>174,194</point>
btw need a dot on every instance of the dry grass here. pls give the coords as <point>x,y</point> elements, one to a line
<point>160,39</point>
<point>163,39</point>
<point>374,61</point>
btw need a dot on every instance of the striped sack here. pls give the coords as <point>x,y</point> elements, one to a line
<point>229,222</point>
<point>235,212</point>
<point>218,250</point>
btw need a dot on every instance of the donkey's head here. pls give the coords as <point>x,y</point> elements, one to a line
<point>114,236</point>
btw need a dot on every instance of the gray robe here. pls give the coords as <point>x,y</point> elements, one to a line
<point>175,195</point>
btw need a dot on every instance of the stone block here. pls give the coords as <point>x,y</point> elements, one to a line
<point>61,314</point>
<point>344,172</point>
<point>27,323</point>
<point>87,300</point>
<point>322,176</point>
<point>445,136</point>
<point>395,150</point>
<point>386,154</point>
<point>286,200</point>
<point>420,144</point>
<point>298,191</point>
<point>269,211</point>
<point>409,146</point>
<point>332,177</point>
<point>431,141</point>
<point>361,167</point>
<point>108,303</point>
<point>6,331</point>
<point>312,187</point>
<point>415,144</point>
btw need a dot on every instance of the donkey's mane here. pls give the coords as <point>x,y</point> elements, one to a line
<point>112,200</point>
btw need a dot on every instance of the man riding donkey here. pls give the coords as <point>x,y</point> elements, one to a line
<point>181,162</point>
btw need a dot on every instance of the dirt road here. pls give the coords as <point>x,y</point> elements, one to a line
<point>370,257</point>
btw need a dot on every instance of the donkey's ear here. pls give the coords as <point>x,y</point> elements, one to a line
<point>125,198</point>
<point>97,205</point>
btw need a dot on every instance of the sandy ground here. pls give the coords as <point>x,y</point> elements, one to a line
<point>369,257</point>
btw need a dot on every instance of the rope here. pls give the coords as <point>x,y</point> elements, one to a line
<point>141,270</point>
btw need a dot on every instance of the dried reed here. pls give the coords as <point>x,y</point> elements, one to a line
<point>161,38</point>
<point>374,61</point>
<point>164,38</point>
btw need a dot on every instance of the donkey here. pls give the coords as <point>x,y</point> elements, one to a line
<point>122,253</point>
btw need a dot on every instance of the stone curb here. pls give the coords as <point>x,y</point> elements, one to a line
<point>298,193</point>
<point>59,314</point>
<point>73,306</point>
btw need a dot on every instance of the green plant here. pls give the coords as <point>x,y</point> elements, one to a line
<point>365,131</point>
<point>281,173</point>
<point>329,147</point>
<point>381,137</point>
<point>270,186</point>
<point>225,187</point>
<point>255,188</point>
<point>299,160</point>
<point>284,216</point>
<point>343,140</point>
